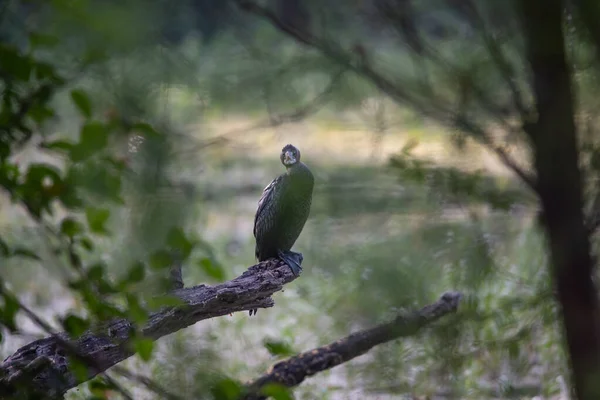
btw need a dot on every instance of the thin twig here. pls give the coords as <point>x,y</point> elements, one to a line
<point>273,121</point>
<point>393,90</point>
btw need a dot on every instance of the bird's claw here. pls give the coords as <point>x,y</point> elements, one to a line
<point>293,260</point>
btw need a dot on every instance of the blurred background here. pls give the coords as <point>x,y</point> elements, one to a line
<point>403,210</point>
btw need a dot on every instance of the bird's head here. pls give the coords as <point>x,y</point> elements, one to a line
<point>290,156</point>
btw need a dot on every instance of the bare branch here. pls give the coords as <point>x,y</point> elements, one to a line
<point>44,364</point>
<point>293,371</point>
<point>340,56</point>
<point>273,121</point>
<point>395,91</point>
<point>469,9</point>
<point>108,344</point>
<point>482,138</point>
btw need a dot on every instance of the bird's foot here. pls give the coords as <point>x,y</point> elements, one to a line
<point>254,310</point>
<point>293,260</point>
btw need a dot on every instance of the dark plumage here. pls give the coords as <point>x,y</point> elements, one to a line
<point>283,210</point>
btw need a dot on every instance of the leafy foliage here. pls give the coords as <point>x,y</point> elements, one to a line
<point>82,182</point>
<point>279,348</point>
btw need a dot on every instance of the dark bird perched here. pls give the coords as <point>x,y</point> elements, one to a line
<point>283,210</point>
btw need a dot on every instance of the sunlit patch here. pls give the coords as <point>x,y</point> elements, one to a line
<point>134,143</point>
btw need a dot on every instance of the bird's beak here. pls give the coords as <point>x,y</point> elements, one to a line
<point>288,158</point>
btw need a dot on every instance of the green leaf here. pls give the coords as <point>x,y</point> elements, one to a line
<point>86,243</point>
<point>97,218</point>
<point>177,240</point>
<point>79,369</point>
<point>144,347</point>
<point>146,129</point>
<point>9,312</point>
<point>136,273</point>
<point>75,325</point>
<point>93,138</point>
<point>82,101</point>
<point>105,287</point>
<point>63,145</point>
<point>40,113</point>
<point>226,389</point>
<point>277,392</point>
<point>161,259</point>
<point>25,253</point>
<point>14,64</point>
<point>212,268</point>
<point>112,186</point>
<point>45,71</point>
<point>37,40</point>
<point>99,386</point>
<point>41,183</point>
<point>74,258</point>
<point>96,272</point>
<point>106,311</point>
<point>278,347</point>
<point>94,178</point>
<point>119,164</point>
<point>70,227</point>
<point>135,310</point>
<point>70,196</point>
<point>4,249</point>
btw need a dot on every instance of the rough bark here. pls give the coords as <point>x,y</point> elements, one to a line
<point>42,366</point>
<point>554,139</point>
<point>294,370</point>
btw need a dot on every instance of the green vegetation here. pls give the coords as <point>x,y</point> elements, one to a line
<point>128,136</point>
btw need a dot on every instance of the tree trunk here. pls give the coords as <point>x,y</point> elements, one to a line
<point>554,140</point>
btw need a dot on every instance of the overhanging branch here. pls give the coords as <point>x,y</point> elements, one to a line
<point>44,363</point>
<point>304,111</point>
<point>397,92</point>
<point>293,371</point>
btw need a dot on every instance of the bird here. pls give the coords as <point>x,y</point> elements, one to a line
<point>283,210</point>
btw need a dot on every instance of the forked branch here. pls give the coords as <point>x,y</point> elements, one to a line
<point>42,366</point>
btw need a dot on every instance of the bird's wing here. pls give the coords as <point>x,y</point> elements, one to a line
<point>266,199</point>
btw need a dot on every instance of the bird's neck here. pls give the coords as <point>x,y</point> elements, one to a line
<point>299,171</point>
<point>299,167</point>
